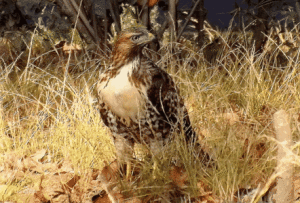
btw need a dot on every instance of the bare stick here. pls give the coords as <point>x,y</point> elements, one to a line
<point>116,16</point>
<point>187,19</point>
<point>173,18</point>
<point>70,10</point>
<point>84,19</point>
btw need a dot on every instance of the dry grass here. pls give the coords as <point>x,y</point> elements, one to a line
<point>231,103</point>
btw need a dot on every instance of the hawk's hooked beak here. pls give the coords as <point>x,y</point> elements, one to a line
<point>149,39</point>
<point>151,36</point>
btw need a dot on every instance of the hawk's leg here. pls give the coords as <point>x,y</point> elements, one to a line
<point>124,149</point>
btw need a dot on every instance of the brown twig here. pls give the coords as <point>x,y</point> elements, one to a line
<point>113,8</point>
<point>162,29</point>
<point>95,23</point>
<point>187,19</point>
<point>70,10</point>
<point>84,20</point>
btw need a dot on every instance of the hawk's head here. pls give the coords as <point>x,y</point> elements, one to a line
<point>129,45</point>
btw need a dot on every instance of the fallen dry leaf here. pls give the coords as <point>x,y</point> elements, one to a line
<point>38,155</point>
<point>40,196</point>
<point>50,167</point>
<point>102,199</point>
<point>178,176</point>
<point>33,165</point>
<point>52,187</point>
<point>231,118</point>
<point>204,133</point>
<point>66,166</point>
<point>71,183</point>
<point>28,197</point>
<point>10,160</point>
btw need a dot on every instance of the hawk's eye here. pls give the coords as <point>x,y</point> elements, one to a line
<point>135,37</point>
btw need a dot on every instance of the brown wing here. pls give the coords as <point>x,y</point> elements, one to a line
<point>165,97</point>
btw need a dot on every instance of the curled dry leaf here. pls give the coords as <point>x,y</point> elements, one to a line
<point>204,133</point>
<point>28,196</point>
<point>108,179</point>
<point>19,175</point>
<point>52,187</point>
<point>231,118</point>
<point>33,165</point>
<point>205,194</point>
<point>39,196</point>
<point>66,166</point>
<point>50,167</point>
<point>179,177</point>
<point>71,183</point>
<point>10,160</point>
<point>103,198</point>
<point>38,155</point>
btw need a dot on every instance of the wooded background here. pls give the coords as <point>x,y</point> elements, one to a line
<point>180,17</point>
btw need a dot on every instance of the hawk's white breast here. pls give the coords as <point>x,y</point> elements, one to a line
<point>121,96</point>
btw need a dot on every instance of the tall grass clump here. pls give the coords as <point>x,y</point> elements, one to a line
<point>231,101</point>
<point>47,111</point>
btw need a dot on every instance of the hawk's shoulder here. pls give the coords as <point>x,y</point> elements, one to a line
<point>161,90</point>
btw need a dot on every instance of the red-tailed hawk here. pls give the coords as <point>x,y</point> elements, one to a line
<point>138,101</point>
